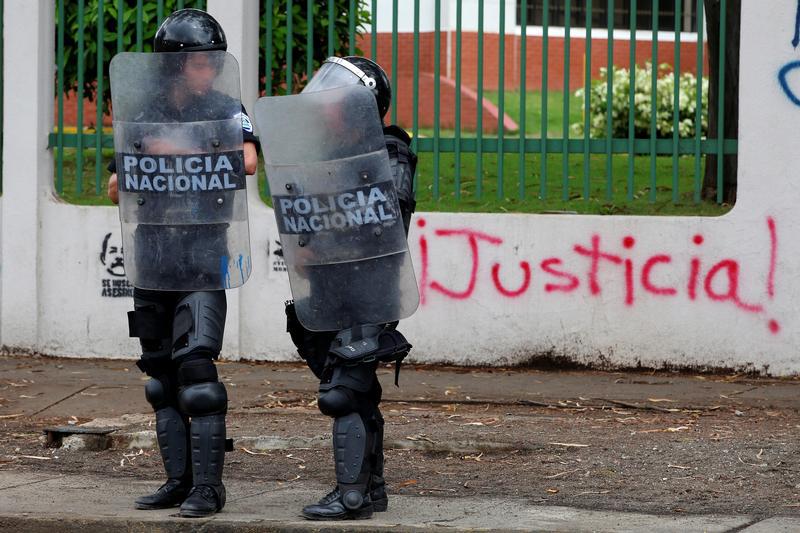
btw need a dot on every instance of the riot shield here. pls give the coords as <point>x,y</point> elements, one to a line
<point>336,207</point>
<point>180,170</point>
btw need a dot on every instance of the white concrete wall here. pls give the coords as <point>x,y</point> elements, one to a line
<point>737,308</point>
<point>491,20</point>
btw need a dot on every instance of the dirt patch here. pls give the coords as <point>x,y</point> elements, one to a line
<point>713,460</point>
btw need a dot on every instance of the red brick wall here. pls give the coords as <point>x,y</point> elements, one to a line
<point>469,45</point>
<point>533,73</point>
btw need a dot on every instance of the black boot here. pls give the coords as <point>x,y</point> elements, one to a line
<point>351,498</point>
<point>331,507</point>
<point>173,445</point>
<point>208,454</point>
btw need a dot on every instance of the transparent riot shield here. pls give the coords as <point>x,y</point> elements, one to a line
<point>180,170</point>
<point>336,207</point>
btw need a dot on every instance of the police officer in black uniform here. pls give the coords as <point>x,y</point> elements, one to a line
<point>351,393</point>
<point>181,332</point>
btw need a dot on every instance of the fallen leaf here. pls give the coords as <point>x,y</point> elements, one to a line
<point>552,491</point>
<point>245,450</point>
<point>407,483</point>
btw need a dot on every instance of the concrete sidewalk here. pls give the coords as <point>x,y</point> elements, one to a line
<point>32,503</point>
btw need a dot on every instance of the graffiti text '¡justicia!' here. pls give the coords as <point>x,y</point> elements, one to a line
<point>719,282</point>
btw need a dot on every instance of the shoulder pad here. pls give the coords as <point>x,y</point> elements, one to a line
<point>396,131</point>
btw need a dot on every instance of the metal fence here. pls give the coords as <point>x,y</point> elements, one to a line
<point>113,21</point>
<point>538,178</point>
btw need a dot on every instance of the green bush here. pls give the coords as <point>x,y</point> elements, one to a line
<point>150,25</point>
<point>620,103</point>
<point>319,16</point>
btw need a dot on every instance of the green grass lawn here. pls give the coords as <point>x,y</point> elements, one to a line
<point>510,200</point>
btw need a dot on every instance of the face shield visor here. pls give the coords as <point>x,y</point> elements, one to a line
<point>336,72</point>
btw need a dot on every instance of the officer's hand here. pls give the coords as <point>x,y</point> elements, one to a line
<point>113,191</point>
<point>250,158</point>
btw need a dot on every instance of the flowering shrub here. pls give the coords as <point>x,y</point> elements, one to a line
<point>620,101</point>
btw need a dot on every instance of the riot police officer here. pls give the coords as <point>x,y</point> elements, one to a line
<point>181,331</point>
<point>349,390</point>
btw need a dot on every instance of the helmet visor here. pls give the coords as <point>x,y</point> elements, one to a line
<point>331,76</point>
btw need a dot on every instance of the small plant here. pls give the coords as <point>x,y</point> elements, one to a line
<point>620,103</point>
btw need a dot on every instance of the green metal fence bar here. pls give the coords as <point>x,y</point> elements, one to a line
<point>458,103</point>
<point>479,118</point>
<point>60,85</point>
<point>180,4</point>
<point>631,98</point>
<point>289,45</point>
<point>373,48</point>
<point>394,60</point>
<point>698,112</point>
<point>609,96</point>
<point>139,25</point>
<point>653,101</point>
<point>595,146</point>
<point>351,33</point>
<point>160,11</point>
<point>545,64</point>
<point>676,93</point>
<point>415,96</point>
<point>567,97</point>
<point>330,27</point>
<point>587,100</point>
<point>721,98</point>
<point>79,97</point>
<point>309,39</point>
<point>501,98</point>
<point>437,60</point>
<point>511,145</point>
<point>268,49</point>
<point>98,137</point>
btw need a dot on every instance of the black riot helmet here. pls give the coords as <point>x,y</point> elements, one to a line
<point>351,70</point>
<point>189,30</point>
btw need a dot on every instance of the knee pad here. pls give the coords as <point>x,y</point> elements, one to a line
<point>203,399</point>
<point>337,402</point>
<point>199,324</point>
<point>159,392</point>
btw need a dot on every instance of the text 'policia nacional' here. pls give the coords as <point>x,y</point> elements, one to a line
<point>370,204</point>
<point>182,173</point>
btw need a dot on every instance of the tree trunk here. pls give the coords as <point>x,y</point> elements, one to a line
<point>731,98</point>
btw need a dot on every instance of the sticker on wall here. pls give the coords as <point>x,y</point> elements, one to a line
<point>113,283</point>
<point>277,266</point>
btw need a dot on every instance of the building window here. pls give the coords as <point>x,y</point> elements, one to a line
<point>622,14</point>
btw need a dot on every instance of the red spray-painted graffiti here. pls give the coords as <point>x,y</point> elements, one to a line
<point>719,282</point>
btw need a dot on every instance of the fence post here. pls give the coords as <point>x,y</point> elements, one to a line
<point>27,163</point>
<point>239,19</point>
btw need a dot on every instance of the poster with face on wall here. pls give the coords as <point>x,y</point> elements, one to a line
<point>113,283</point>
